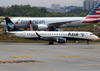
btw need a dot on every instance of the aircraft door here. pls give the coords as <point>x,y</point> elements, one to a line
<point>25,34</point>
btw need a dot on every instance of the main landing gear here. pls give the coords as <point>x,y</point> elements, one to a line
<point>51,43</point>
<point>52,28</point>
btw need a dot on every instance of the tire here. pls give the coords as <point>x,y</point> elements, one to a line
<point>51,43</point>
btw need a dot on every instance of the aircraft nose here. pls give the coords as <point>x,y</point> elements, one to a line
<point>96,37</point>
<point>3,24</point>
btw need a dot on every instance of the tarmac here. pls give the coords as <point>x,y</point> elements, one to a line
<point>44,57</point>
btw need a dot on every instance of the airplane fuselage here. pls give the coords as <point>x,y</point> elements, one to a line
<point>50,35</point>
<point>44,23</point>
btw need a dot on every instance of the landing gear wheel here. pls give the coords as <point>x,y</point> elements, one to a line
<point>88,42</point>
<point>52,28</point>
<point>51,43</point>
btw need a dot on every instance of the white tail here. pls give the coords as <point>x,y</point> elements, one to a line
<point>31,26</point>
<point>97,27</point>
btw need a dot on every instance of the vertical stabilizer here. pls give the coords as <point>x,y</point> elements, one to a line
<point>95,13</point>
<point>10,26</point>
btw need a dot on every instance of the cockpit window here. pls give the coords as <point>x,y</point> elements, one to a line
<point>91,34</point>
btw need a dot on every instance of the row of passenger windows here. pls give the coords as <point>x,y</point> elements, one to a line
<point>31,34</point>
<point>53,34</point>
<point>45,34</point>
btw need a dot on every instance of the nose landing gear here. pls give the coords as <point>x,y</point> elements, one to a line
<point>88,42</point>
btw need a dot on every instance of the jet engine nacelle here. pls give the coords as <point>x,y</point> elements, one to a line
<point>42,27</point>
<point>61,40</point>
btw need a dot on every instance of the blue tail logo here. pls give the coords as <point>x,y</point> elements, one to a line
<point>11,26</point>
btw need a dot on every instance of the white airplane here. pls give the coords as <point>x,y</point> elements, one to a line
<point>60,37</point>
<point>44,23</point>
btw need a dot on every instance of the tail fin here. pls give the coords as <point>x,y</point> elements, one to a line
<point>31,27</point>
<point>97,27</point>
<point>95,13</point>
<point>10,26</point>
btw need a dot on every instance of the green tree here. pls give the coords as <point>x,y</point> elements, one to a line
<point>28,11</point>
<point>1,11</point>
<point>72,15</point>
<point>82,14</point>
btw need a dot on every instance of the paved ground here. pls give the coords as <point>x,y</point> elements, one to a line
<point>43,57</point>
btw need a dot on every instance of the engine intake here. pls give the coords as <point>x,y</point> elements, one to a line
<point>61,40</point>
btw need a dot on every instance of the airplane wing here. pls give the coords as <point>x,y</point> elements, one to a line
<point>47,38</point>
<point>57,24</point>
